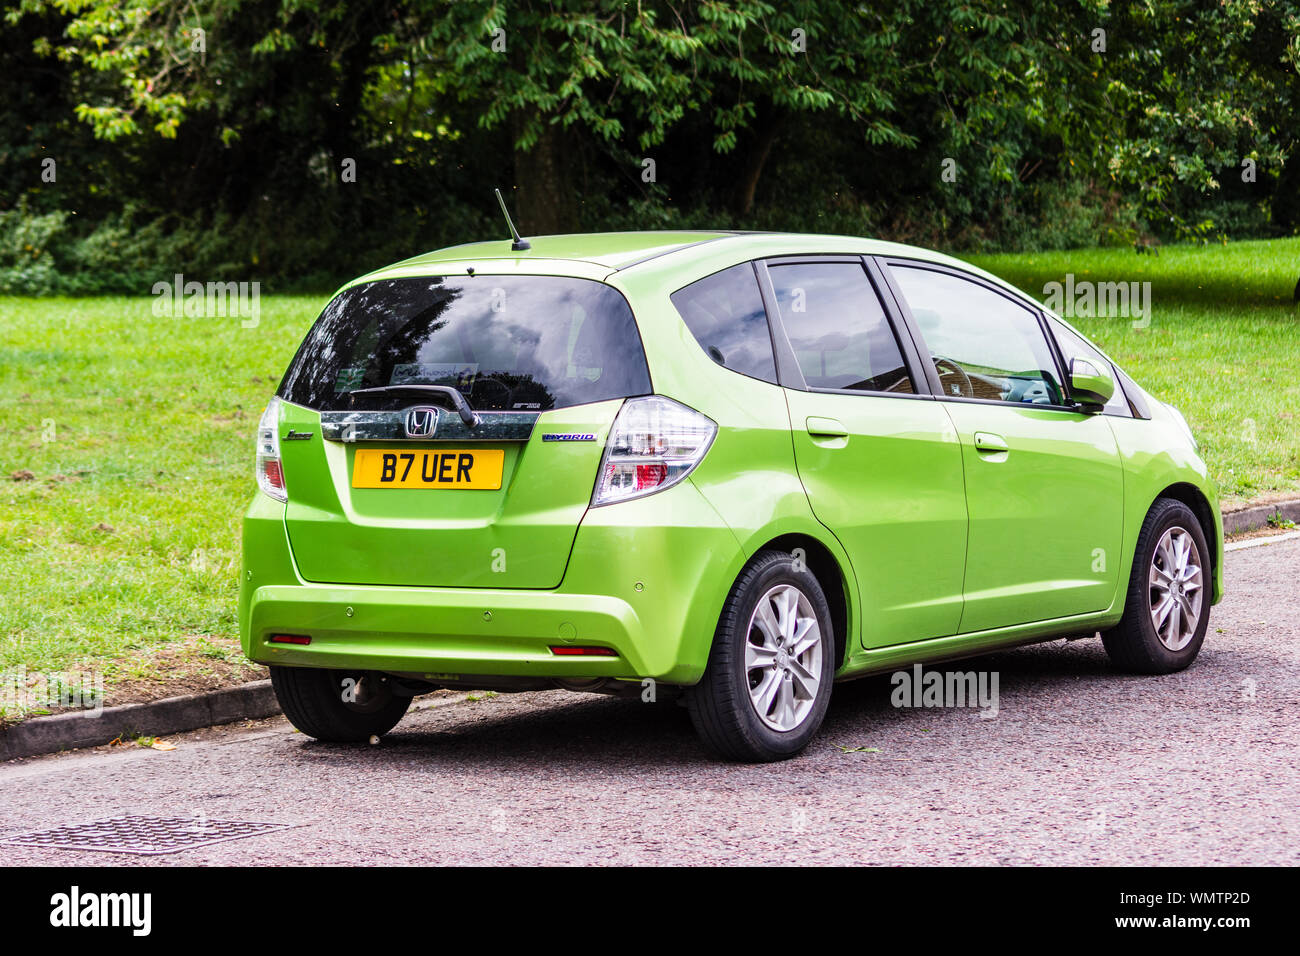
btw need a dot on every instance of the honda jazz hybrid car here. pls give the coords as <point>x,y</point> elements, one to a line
<point>734,467</point>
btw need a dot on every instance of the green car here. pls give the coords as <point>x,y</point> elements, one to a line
<point>729,467</point>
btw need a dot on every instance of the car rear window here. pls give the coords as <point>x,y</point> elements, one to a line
<point>725,313</point>
<point>507,343</point>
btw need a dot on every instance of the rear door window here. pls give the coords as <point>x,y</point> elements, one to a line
<point>507,343</point>
<point>725,313</point>
<point>838,329</point>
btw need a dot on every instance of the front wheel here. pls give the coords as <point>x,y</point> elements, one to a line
<point>1167,609</point>
<point>768,681</point>
<point>338,706</point>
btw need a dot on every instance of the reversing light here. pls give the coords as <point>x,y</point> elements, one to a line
<point>653,444</point>
<point>270,475</point>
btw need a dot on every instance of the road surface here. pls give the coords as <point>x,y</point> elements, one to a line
<point>1081,765</point>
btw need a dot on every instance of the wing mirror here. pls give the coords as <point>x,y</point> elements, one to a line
<point>1090,385</point>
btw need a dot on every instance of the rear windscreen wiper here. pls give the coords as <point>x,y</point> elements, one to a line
<point>467,414</point>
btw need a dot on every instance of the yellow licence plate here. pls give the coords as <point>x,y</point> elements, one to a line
<point>474,468</point>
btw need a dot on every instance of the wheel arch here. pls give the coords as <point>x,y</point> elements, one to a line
<point>1192,496</point>
<point>831,575</point>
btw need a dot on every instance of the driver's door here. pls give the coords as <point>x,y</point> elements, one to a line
<point>1044,481</point>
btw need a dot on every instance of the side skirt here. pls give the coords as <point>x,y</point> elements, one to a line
<point>878,660</point>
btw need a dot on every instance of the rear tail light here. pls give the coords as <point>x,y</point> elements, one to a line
<point>653,444</point>
<point>270,476</point>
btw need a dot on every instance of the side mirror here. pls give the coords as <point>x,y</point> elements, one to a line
<point>1090,386</point>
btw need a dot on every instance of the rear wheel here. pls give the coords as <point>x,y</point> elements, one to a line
<point>1167,609</point>
<point>768,681</point>
<point>338,706</point>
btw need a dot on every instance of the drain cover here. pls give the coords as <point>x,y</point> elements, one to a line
<point>144,835</point>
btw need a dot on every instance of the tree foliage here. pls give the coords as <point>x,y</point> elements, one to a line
<point>799,114</point>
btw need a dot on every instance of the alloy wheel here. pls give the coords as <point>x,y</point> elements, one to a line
<point>1176,592</point>
<point>783,658</point>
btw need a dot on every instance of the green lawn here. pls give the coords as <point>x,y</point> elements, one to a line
<point>138,431</point>
<point>120,553</point>
<point>1240,274</point>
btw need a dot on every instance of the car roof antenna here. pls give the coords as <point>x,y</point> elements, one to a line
<point>519,245</point>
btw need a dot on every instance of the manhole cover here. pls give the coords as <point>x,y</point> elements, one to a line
<point>142,834</point>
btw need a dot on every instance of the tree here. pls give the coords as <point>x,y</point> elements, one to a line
<point>245,113</point>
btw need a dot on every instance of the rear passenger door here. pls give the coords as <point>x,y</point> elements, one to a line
<point>1044,482</point>
<point>880,462</point>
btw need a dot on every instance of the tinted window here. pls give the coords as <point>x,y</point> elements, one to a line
<point>1072,346</point>
<point>837,327</point>
<point>983,345</point>
<point>506,342</point>
<point>725,314</point>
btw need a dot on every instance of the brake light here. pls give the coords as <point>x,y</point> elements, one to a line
<point>653,444</point>
<point>650,476</point>
<point>270,476</point>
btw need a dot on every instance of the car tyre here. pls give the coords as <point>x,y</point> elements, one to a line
<point>1167,608</point>
<point>768,681</point>
<point>338,706</point>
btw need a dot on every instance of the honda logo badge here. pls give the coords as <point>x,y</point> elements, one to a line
<point>421,421</point>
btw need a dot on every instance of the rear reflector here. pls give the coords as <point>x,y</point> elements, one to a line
<point>289,639</point>
<point>584,651</point>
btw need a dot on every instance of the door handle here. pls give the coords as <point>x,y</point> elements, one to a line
<point>826,427</point>
<point>989,442</point>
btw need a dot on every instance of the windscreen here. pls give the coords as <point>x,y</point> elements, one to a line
<point>507,343</point>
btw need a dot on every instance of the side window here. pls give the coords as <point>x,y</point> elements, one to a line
<point>1073,345</point>
<point>725,313</point>
<point>837,327</point>
<point>983,345</point>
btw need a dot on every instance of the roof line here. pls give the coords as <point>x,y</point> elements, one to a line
<point>728,233</point>
<point>668,252</point>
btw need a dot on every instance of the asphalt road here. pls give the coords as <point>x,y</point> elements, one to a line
<point>1082,765</point>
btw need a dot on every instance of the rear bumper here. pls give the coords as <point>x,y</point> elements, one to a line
<point>646,579</point>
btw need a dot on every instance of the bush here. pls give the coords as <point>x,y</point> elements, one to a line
<point>126,253</point>
<point>326,237</point>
